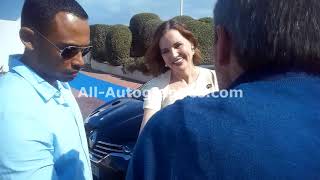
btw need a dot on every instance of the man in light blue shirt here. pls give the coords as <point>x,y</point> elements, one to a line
<point>41,133</point>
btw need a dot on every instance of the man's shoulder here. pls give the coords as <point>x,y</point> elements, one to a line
<point>187,113</point>
<point>245,101</point>
<point>13,86</point>
<point>11,80</point>
<point>201,106</point>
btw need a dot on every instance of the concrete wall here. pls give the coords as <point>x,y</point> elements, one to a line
<point>10,42</point>
<point>118,71</point>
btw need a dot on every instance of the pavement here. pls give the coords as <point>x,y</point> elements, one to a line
<point>91,78</point>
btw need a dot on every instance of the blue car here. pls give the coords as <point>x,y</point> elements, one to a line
<point>112,131</point>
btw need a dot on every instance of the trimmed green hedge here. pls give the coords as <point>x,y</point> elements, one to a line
<point>118,43</point>
<point>123,45</point>
<point>133,64</point>
<point>204,33</point>
<point>98,33</point>
<point>137,23</point>
<point>183,19</point>
<point>148,30</point>
<point>206,20</point>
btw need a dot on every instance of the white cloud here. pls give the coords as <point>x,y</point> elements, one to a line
<point>121,11</point>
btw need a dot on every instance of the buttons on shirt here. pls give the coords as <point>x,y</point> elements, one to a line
<point>57,94</point>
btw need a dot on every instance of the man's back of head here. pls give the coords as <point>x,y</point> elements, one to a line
<point>277,35</point>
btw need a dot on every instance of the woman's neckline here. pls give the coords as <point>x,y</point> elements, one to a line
<point>197,69</point>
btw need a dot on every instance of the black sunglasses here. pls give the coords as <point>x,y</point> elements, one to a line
<point>68,51</point>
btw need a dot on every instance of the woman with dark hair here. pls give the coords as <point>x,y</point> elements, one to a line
<point>172,58</point>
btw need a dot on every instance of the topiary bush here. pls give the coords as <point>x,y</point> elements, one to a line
<point>135,64</point>
<point>206,20</point>
<point>98,35</point>
<point>137,23</point>
<point>204,33</point>
<point>183,19</point>
<point>148,30</point>
<point>118,43</point>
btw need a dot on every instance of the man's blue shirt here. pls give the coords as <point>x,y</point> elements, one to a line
<point>41,128</point>
<point>272,132</point>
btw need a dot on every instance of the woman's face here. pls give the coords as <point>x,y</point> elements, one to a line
<point>176,50</point>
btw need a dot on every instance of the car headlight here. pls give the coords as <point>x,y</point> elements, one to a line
<point>92,138</point>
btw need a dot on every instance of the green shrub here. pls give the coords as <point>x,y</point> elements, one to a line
<point>137,23</point>
<point>206,20</point>
<point>118,42</point>
<point>183,19</point>
<point>135,64</point>
<point>148,30</point>
<point>204,33</point>
<point>98,35</point>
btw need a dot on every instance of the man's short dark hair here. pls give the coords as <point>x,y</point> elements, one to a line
<point>40,13</point>
<point>283,34</point>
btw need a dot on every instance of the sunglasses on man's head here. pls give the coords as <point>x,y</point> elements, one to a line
<point>68,51</point>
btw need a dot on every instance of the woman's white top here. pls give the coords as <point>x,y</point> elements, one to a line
<point>159,95</point>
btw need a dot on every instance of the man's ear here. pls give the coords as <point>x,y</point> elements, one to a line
<point>27,37</point>
<point>223,46</point>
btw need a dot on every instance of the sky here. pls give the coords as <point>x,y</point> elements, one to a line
<point>121,11</point>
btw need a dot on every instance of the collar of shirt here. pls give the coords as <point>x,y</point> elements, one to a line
<point>45,90</point>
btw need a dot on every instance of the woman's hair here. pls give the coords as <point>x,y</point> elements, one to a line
<point>153,57</point>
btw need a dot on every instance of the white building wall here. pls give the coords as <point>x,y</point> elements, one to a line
<point>10,42</point>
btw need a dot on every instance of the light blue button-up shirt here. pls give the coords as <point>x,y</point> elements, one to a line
<point>41,129</point>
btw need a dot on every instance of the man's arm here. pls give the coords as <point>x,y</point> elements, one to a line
<point>154,149</point>
<point>174,145</point>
